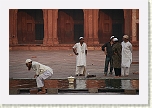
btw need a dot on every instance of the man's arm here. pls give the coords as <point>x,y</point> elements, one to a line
<point>36,66</point>
<point>86,51</point>
<point>104,48</point>
<point>130,47</point>
<point>74,50</point>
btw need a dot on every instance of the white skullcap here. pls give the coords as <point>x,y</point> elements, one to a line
<point>115,39</point>
<point>126,36</point>
<point>112,37</point>
<point>28,60</point>
<point>80,38</point>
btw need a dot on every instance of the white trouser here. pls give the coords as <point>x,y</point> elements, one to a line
<point>40,79</point>
<point>125,71</point>
<point>80,70</point>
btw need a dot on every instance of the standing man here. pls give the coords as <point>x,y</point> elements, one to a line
<point>80,50</point>
<point>42,72</point>
<point>126,56</point>
<point>107,48</point>
<point>116,49</point>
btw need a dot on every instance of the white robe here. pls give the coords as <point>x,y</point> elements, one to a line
<point>126,54</point>
<point>81,57</point>
<point>43,71</point>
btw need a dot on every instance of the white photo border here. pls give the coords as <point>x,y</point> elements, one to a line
<point>142,98</point>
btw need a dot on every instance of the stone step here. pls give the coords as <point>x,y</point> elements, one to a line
<point>57,91</point>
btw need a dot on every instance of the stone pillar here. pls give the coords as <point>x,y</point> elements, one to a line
<point>134,37</point>
<point>55,17</point>
<point>13,27</point>
<point>91,26</point>
<point>95,26</point>
<point>85,25</point>
<point>127,21</point>
<point>10,27</point>
<point>45,17</point>
<point>50,27</point>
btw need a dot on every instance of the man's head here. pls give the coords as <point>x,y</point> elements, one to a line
<point>111,38</point>
<point>28,63</point>
<point>81,39</point>
<point>125,38</point>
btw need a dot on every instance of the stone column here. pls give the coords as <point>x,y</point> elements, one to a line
<point>127,21</point>
<point>50,27</point>
<point>85,25</point>
<point>90,26</point>
<point>134,37</point>
<point>55,17</point>
<point>95,26</point>
<point>13,27</point>
<point>45,18</point>
<point>10,27</point>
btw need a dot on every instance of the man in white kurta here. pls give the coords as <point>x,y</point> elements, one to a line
<point>42,72</point>
<point>126,56</point>
<point>80,50</point>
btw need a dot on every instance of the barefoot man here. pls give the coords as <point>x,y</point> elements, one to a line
<point>42,72</point>
<point>80,50</point>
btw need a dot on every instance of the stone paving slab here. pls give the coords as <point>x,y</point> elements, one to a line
<point>63,63</point>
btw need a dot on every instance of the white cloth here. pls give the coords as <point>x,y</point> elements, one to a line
<point>80,70</point>
<point>126,54</point>
<point>125,71</point>
<point>40,68</point>
<point>81,57</point>
<point>40,79</point>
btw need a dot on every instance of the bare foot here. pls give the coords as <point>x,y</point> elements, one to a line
<point>116,76</point>
<point>135,72</point>
<point>41,92</point>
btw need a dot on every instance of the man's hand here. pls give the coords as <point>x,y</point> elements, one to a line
<point>105,52</point>
<point>76,53</point>
<point>74,50</point>
<point>35,76</point>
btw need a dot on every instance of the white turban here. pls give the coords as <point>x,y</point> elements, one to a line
<point>115,39</point>
<point>80,38</point>
<point>28,60</point>
<point>112,37</point>
<point>126,36</point>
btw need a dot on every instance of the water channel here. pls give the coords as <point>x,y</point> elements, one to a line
<point>81,85</point>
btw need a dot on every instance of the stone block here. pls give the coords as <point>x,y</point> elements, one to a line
<point>93,90</point>
<point>130,91</point>
<point>52,91</point>
<point>14,91</point>
<point>90,48</point>
<point>33,91</point>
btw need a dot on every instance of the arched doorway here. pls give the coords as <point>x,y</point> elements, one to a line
<point>70,25</point>
<point>30,26</point>
<point>111,22</point>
